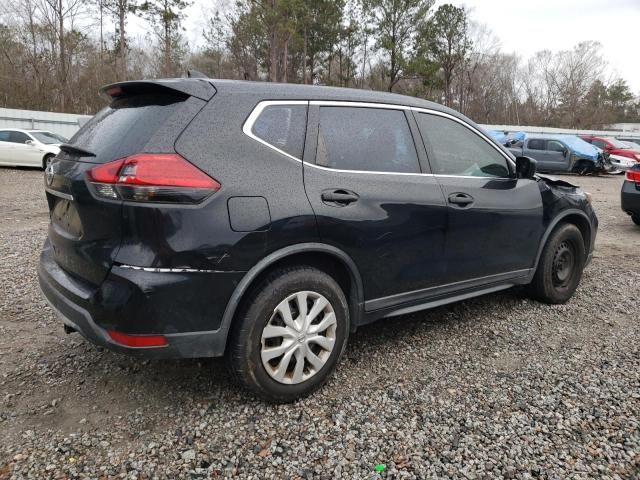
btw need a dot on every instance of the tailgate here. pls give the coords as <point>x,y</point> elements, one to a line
<point>84,232</point>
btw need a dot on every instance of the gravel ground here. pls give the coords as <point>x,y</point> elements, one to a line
<point>495,387</point>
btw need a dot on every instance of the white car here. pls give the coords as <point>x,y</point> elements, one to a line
<point>28,148</point>
<point>622,163</point>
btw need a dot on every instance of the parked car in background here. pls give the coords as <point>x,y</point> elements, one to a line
<point>635,141</point>
<point>28,148</point>
<point>508,139</point>
<point>560,153</point>
<point>630,196</point>
<point>265,222</point>
<point>631,145</point>
<point>613,146</point>
<point>622,164</point>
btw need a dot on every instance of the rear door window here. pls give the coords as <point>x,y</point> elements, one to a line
<point>4,136</point>
<point>555,146</point>
<point>366,139</point>
<point>535,144</point>
<point>283,127</point>
<point>458,151</point>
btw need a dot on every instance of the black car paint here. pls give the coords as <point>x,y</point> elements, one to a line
<point>84,232</point>
<point>402,227</point>
<point>630,195</point>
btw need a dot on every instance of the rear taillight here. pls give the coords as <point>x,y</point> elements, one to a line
<point>633,176</point>
<point>152,177</point>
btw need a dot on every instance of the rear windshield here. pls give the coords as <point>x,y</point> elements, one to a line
<point>124,127</point>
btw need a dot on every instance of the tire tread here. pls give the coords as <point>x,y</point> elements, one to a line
<point>540,287</point>
<point>236,355</point>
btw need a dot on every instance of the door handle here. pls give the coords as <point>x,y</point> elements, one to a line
<point>460,199</point>
<point>339,198</point>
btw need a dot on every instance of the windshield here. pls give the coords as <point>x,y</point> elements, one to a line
<point>48,138</point>
<point>617,143</point>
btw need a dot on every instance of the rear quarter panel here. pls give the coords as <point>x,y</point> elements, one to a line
<point>215,143</point>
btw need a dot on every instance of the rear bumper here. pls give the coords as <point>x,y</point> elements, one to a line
<point>186,308</point>
<point>630,198</point>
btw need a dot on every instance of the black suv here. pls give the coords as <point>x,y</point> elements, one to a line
<point>630,195</point>
<point>264,222</point>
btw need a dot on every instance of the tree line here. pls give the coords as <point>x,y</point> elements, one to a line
<point>58,53</point>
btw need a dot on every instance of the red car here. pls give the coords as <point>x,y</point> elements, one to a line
<point>613,146</point>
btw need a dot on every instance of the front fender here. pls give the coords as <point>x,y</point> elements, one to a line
<point>564,216</point>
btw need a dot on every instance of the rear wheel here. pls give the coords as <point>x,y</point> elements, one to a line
<point>290,334</point>
<point>560,266</point>
<point>636,219</point>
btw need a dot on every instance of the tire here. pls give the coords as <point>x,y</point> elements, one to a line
<point>251,344</point>
<point>46,160</point>
<point>560,266</point>
<point>582,168</point>
<point>636,219</point>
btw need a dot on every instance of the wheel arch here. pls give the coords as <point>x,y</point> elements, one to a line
<point>44,159</point>
<point>325,257</point>
<point>575,217</point>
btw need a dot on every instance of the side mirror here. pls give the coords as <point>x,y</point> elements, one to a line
<point>565,152</point>
<point>30,142</point>
<point>525,167</point>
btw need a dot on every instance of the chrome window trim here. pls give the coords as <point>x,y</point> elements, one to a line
<point>166,270</point>
<point>247,129</point>
<point>481,134</point>
<point>343,103</point>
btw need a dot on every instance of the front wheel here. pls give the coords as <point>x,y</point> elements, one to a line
<point>289,335</point>
<point>581,168</point>
<point>47,160</point>
<point>560,266</point>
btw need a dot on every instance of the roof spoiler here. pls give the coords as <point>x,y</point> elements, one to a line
<point>198,88</point>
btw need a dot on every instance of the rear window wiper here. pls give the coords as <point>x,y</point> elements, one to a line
<point>65,147</point>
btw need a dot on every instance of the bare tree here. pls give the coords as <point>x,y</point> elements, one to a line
<point>471,81</point>
<point>60,16</point>
<point>120,10</point>
<point>55,58</point>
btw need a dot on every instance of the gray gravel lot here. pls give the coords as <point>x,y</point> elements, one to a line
<point>495,387</point>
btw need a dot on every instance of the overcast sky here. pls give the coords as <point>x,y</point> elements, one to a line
<point>525,27</point>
